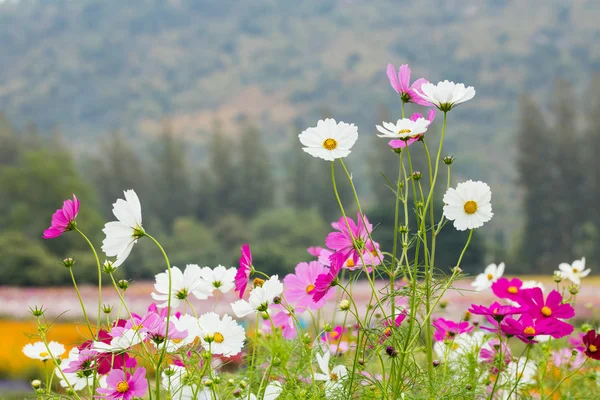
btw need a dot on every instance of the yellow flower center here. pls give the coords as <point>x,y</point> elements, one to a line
<point>258,282</point>
<point>513,290</point>
<point>470,207</point>
<point>529,331</point>
<point>575,270</point>
<point>177,340</point>
<point>387,331</point>
<point>592,348</point>
<point>495,311</point>
<point>334,334</point>
<point>44,354</point>
<point>310,288</point>
<point>403,131</point>
<point>350,263</point>
<point>122,387</point>
<point>546,311</point>
<point>333,376</point>
<point>330,144</point>
<point>219,337</point>
<point>490,277</point>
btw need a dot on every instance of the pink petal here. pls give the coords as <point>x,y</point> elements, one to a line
<point>391,73</point>
<point>404,77</point>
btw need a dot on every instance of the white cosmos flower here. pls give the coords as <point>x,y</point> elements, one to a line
<point>522,369</point>
<point>181,386</point>
<point>260,298</point>
<point>468,205</point>
<point>38,350</point>
<point>272,391</point>
<point>329,140</point>
<point>121,235</point>
<point>574,272</point>
<point>182,284</point>
<point>219,278</point>
<point>223,336</point>
<point>333,378</point>
<point>403,128</point>
<point>490,275</point>
<point>130,338</point>
<point>445,95</point>
<point>187,323</point>
<point>460,346</point>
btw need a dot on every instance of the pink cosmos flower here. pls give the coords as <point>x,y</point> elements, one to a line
<point>104,361</point>
<point>526,328</point>
<point>300,286</point>
<point>401,84</point>
<point>508,289</point>
<point>335,335</point>
<point>315,250</point>
<point>551,308</point>
<point>496,354</point>
<point>387,332</point>
<point>496,311</point>
<point>399,144</point>
<point>324,282</point>
<point>447,329</point>
<point>63,220</point>
<point>121,385</point>
<point>243,272</point>
<point>565,357</point>
<point>369,259</point>
<point>591,342</point>
<point>346,248</point>
<point>284,320</point>
<point>577,341</point>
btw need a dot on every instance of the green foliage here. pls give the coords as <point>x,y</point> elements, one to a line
<point>281,236</point>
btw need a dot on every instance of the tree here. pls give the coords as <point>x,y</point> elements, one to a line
<point>255,188</point>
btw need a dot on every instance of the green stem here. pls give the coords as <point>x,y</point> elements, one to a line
<point>81,302</point>
<point>164,349</point>
<point>395,246</point>
<point>99,276</point>
<point>565,378</point>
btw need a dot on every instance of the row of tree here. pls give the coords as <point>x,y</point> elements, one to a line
<point>201,205</point>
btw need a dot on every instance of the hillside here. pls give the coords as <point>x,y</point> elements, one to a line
<point>87,67</point>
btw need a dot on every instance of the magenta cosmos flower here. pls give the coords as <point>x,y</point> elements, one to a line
<point>592,345</point>
<point>352,243</point>
<point>300,286</point>
<point>508,289</point>
<point>526,328</point>
<point>401,84</point>
<point>368,258</point>
<point>324,282</point>
<point>552,308</point>
<point>447,329</point>
<point>243,272</point>
<point>63,220</point>
<point>121,385</point>
<point>496,310</point>
<point>399,144</point>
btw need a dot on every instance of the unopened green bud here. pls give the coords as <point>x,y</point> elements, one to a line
<point>277,300</point>
<point>416,175</point>
<point>586,327</point>
<point>217,379</point>
<point>68,262</point>
<point>243,384</point>
<point>237,393</point>
<point>206,355</point>
<point>557,277</point>
<point>208,383</point>
<point>443,304</point>
<point>230,382</point>
<point>448,160</point>
<point>403,229</point>
<point>345,305</point>
<point>327,328</point>
<point>107,308</point>
<point>108,267</point>
<point>123,284</point>
<point>40,391</point>
<point>36,383</point>
<point>264,314</point>
<point>276,361</point>
<point>573,289</point>
<point>37,311</point>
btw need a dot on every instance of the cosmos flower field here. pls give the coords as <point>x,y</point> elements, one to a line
<point>353,321</point>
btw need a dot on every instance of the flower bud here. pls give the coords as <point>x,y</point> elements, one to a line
<point>36,383</point>
<point>361,361</point>
<point>436,363</point>
<point>573,289</point>
<point>37,311</point>
<point>230,382</point>
<point>68,262</point>
<point>586,327</point>
<point>306,339</point>
<point>209,338</point>
<point>468,387</point>
<point>574,352</point>
<point>123,284</point>
<point>443,304</point>
<point>107,308</point>
<point>467,316</point>
<point>237,393</point>
<point>217,379</point>
<point>206,355</point>
<point>208,383</point>
<point>391,351</point>
<point>70,392</point>
<point>448,160</point>
<point>169,372</point>
<point>327,328</point>
<point>277,300</point>
<point>276,362</point>
<point>402,229</point>
<point>264,314</point>
<point>108,268</point>
<point>345,305</point>
<point>40,391</point>
<point>243,384</point>
<point>398,150</point>
<point>416,175</point>
<point>557,277</point>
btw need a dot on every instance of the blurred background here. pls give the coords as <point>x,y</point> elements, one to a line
<point>197,106</point>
